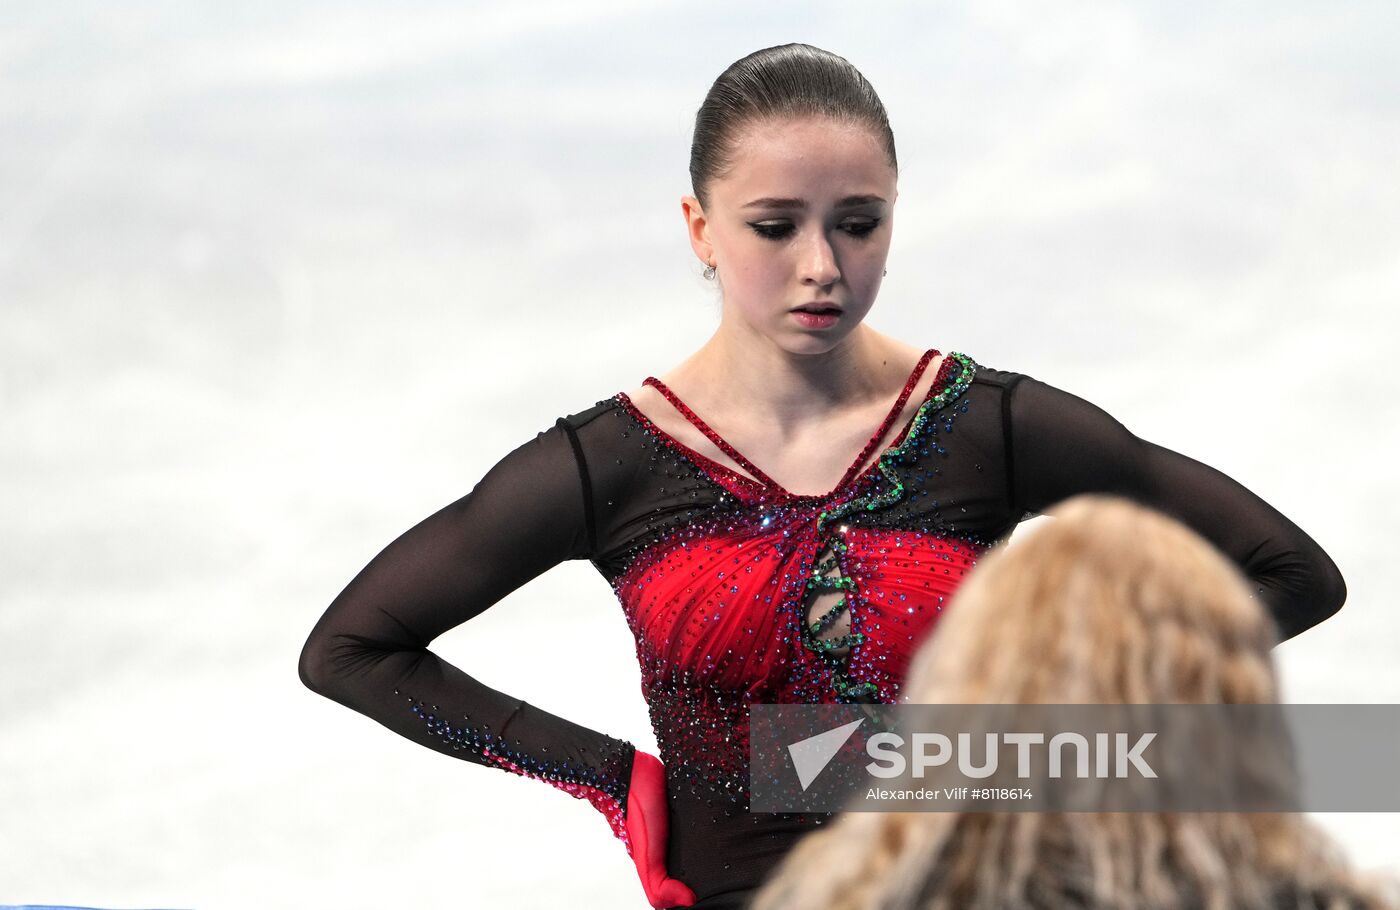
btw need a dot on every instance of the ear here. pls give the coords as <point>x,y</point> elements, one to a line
<point>698,229</point>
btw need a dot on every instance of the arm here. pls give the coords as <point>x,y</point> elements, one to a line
<point>1060,445</point>
<point>369,651</point>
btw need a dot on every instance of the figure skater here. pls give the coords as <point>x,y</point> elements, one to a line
<point>782,515</point>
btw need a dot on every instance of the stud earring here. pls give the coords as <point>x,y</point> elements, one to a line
<point>885,272</point>
<point>709,272</point>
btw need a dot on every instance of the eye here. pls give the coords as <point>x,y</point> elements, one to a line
<point>771,231</point>
<point>861,228</point>
<point>782,229</point>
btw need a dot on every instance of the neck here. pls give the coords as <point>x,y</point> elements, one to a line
<point>783,389</point>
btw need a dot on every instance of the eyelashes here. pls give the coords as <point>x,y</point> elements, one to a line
<point>781,231</point>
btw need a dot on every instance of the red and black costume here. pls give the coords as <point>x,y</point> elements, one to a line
<point>713,570</point>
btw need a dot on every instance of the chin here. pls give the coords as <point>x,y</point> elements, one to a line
<point>799,342</point>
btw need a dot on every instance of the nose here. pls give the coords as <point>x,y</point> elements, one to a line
<point>819,261</point>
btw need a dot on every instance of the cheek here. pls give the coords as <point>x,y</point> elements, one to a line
<point>861,265</point>
<point>757,269</point>
<point>746,252</point>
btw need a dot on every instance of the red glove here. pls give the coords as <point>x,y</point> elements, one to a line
<point>648,822</point>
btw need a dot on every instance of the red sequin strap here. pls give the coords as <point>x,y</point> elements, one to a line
<point>879,434</point>
<point>706,429</point>
<point>758,473</point>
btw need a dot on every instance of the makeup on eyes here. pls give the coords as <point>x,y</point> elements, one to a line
<point>783,230</point>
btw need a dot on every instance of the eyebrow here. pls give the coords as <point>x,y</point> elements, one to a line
<point>775,202</point>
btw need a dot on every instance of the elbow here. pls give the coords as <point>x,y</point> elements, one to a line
<point>1331,591</point>
<point>1327,594</point>
<point>1334,593</point>
<point>336,664</point>
<point>312,665</point>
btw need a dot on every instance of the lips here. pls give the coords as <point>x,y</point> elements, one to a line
<point>823,308</point>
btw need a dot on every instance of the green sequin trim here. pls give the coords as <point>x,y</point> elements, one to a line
<point>850,692</point>
<point>828,619</point>
<point>967,367</point>
<point>847,691</point>
<point>849,640</point>
<point>831,583</point>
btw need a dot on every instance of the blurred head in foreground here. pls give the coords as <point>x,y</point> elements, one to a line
<point>1110,603</point>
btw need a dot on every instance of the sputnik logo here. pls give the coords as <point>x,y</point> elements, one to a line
<point>811,755</point>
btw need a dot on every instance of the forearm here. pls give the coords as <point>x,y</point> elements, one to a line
<point>1291,575</point>
<point>425,699</point>
<point>1063,445</point>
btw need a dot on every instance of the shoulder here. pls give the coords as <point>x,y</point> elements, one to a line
<point>567,437</point>
<point>986,394</point>
<point>1034,406</point>
<point>994,376</point>
<point>580,419</point>
<point>969,378</point>
<point>602,437</point>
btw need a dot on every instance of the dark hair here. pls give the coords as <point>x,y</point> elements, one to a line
<point>782,81</point>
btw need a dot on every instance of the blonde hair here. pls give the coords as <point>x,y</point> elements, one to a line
<point>1110,603</point>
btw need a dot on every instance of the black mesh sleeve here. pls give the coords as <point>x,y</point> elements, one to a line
<point>1062,445</point>
<point>369,651</point>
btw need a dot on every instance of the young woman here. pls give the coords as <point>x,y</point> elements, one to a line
<point>1167,620</point>
<point>781,515</point>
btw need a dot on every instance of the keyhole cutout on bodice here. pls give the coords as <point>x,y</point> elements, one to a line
<point>821,602</point>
